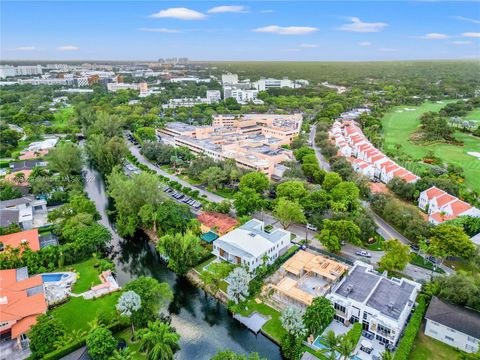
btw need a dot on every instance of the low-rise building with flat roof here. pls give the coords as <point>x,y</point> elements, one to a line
<point>380,304</point>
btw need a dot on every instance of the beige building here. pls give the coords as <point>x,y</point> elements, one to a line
<point>304,277</point>
<point>254,141</point>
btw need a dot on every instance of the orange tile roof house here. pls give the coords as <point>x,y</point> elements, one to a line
<point>218,222</point>
<point>16,239</point>
<point>22,299</point>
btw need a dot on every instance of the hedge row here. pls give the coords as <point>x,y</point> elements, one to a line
<point>59,353</point>
<point>406,343</point>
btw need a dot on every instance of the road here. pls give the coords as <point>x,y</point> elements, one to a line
<point>348,250</point>
<point>324,164</point>
<point>206,194</point>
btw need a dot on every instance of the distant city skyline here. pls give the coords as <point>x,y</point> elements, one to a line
<point>268,30</point>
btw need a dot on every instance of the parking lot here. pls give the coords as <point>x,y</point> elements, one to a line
<point>194,204</point>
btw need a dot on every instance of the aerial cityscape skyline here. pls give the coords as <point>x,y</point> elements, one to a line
<point>207,30</point>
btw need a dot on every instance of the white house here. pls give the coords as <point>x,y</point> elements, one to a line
<point>248,244</point>
<point>453,325</point>
<point>380,304</point>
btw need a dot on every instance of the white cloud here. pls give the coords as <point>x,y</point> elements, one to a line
<point>308,46</point>
<point>228,9</point>
<point>25,48</point>
<point>463,18</point>
<point>180,13</point>
<point>68,48</point>
<point>358,25</point>
<point>160,30</point>
<point>268,11</point>
<point>471,35</point>
<point>461,42</point>
<point>387,49</point>
<point>365,43</point>
<point>435,36</point>
<point>287,30</point>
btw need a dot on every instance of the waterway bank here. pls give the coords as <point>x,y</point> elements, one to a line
<point>203,322</point>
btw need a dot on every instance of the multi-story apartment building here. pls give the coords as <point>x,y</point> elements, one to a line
<point>142,87</point>
<point>28,70</point>
<point>380,304</point>
<point>254,141</point>
<point>249,244</point>
<point>229,79</point>
<point>213,96</point>
<point>265,84</point>
<point>7,71</point>
<point>242,96</point>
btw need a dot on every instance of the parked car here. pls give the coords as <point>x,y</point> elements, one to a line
<point>414,247</point>
<point>363,253</point>
<point>311,227</point>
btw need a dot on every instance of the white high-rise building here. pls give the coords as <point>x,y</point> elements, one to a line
<point>242,96</point>
<point>213,96</point>
<point>229,79</point>
<point>7,71</point>
<point>265,84</point>
<point>29,70</point>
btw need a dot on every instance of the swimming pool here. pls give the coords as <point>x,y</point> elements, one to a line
<point>319,345</point>
<point>54,277</point>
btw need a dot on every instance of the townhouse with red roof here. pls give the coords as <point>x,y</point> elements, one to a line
<point>442,206</point>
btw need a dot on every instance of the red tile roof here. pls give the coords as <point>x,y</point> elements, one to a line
<point>459,207</point>
<point>434,192</point>
<point>16,239</point>
<point>222,222</point>
<point>445,199</point>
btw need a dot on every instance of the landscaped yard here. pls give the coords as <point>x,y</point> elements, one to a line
<point>126,335</point>
<point>272,327</point>
<point>473,115</point>
<point>88,275</point>
<point>77,312</point>
<point>398,126</point>
<point>426,348</point>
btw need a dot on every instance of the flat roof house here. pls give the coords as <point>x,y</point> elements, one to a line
<point>381,304</point>
<point>22,299</point>
<point>453,325</point>
<point>248,244</point>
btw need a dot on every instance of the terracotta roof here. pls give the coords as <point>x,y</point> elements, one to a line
<point>434,192</point>
<point>459,207</point>
<point>26,174</point>
<point>377,157</point>
<point>409,177</point>
<point>27,155</point>
<point>391,167</point>
<point>386,164</point>
<point>16,239</point>
<point>445,199</point>
<point>438,217</point>
<point>21,301</point>
<point>222,222</point>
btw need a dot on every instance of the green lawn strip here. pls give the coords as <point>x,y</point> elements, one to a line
<point>377,245</point>
<point>397,128</point>
<point>318,354</point>
<point>426,348</point>
<point>473,115</point>
<point>419,261</point>
<point>200,267</point>
<point>133,346</point>
<point>88,275</point>
<point>272,327</point>
<point>77,312</point>
<point>226,193</point>
<point>459,265</point>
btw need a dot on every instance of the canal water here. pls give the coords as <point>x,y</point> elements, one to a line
<point>203,323</point>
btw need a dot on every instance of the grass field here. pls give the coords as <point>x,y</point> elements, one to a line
<point>78,312</point>
<point>88,275</point>
<point>473,115</point>
<point>426,348</point>
<point>399,124</point>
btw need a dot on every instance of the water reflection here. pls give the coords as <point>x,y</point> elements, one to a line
<point>203,323</point>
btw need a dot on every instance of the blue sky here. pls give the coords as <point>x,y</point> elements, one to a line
<point>231,30</point>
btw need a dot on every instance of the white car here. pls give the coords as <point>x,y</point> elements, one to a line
<point>364,253</point>
<point>311,227</point>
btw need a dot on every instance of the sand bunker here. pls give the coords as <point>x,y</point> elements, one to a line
<point>399,111</point>
<point>474,153</point>
<point>409,109</point>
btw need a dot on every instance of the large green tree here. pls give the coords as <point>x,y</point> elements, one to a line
<point>101,343</point>
<point>293,190</point>
<point>318,315</point>
<point>182,250</point>
<point>396,257</point>
<point>159,341</point>
<point>335,231</point>
<point>44,334</point>
<point>450,240</point>
<point>255,180</point>
<point>289,212</point>
<point>66,159</point>
<point>247,201</point>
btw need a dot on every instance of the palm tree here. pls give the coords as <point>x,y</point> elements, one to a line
<point>19,178</point>
<point>125,354</point>
<point>331,341</point>
<point>95,323</point>
<point>158,341</point>
<point>345,347</point>
<point>386,355</point>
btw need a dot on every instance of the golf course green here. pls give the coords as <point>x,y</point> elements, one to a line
<point>402,121</point>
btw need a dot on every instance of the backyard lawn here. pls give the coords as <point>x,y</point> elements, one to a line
<point>473,115</point>
<point>126,335</point>
<point>77,312</point>
<point>399,124</point>
<point>426,348</point>
<point>88,275</point>
<point>272,327</point>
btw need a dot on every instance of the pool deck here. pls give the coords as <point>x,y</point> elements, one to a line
<point>254,322</point>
